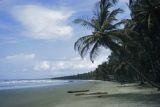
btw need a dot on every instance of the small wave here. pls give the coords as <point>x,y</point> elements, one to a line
<point>10,84</point>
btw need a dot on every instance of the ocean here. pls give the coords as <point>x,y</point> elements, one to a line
<point>17,84</point>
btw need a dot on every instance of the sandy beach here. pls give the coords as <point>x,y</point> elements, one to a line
<point>51,96</point>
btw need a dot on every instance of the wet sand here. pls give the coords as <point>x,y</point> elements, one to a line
<point>51,96</point>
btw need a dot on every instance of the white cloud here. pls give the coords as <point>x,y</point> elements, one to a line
<point>30,62</point>
<point>43,66</point>
<point>68,64</point>
<point>43,23</point>
<point>21,57</point>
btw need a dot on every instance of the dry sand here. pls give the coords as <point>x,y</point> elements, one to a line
<point>51,96</point>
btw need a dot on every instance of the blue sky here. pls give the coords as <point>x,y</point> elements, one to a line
<point>37,38</point>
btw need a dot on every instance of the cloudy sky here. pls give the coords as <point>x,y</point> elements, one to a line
<point>37,38</point>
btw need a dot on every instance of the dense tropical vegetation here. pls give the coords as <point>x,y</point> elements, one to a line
<point>85,76</point>
<point>135,47</point>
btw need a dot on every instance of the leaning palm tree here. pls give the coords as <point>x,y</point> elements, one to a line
<point>146,15</point>
<point>106,33</point>
<point>104,26</point>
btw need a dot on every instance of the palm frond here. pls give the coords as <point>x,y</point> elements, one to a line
<point>102,26</point>
<point>84,44</point>
<point>94,51</point>
<point>116,25</point>
<point>114,1</point>
<point>113,14</point>
<point>80,42</point>
<point>86,23</point>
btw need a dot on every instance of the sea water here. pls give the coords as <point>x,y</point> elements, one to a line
<point>16,84</point>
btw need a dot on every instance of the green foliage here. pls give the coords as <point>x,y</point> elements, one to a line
<point>85,76</point>
<point>135,48</point>
<point>104,27</point>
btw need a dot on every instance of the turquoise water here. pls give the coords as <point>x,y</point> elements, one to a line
<point>16,84</point>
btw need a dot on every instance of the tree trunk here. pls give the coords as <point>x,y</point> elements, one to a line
<point>117,49</point>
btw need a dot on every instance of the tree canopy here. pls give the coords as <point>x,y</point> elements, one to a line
<point>135,48</point>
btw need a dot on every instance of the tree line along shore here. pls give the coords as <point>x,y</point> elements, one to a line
<point>134,42</point>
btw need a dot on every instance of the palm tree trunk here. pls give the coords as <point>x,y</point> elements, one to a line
<point>115,48</point>
<point>141,74</point>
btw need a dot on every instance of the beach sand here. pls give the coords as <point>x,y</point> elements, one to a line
<point>51,96</point>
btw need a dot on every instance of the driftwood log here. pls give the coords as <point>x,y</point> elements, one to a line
<point>77,91</point>
<point>92,93</point>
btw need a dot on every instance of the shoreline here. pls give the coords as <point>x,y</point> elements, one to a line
<point>22,84</point>
<point>50,96</point>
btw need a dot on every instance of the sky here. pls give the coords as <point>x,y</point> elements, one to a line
<point>37,38</point>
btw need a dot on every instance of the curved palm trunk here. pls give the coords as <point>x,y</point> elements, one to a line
<point>117,49</point>
<point>143,76</point>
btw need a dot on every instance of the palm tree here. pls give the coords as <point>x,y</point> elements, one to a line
<point>146,15</point>
<point>104,27</point>
<point>107,33</point>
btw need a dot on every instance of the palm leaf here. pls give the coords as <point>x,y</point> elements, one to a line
<point>94,51</point>
<point>80,41</point>
<point>113,14</point>
<point>86,23</point>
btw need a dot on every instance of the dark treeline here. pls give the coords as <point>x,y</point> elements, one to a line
<point>135,47</point>
<point>85,76</point>
<point>108,71</point>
